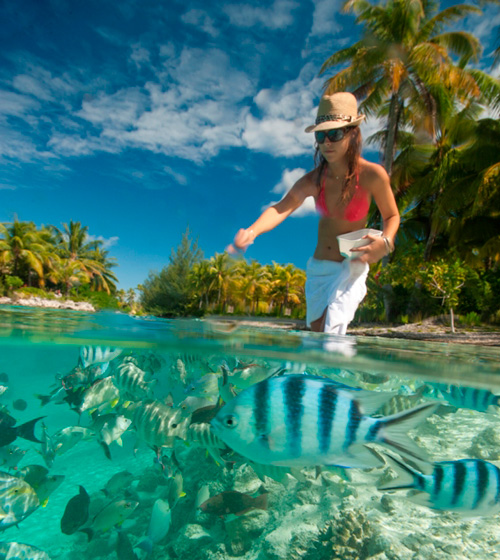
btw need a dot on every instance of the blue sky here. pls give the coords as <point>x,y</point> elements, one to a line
<point>140,118</point>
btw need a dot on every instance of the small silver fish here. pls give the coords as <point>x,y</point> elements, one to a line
<point>18,500</point>
<point>68,437</point>
<point>19,551</point>
<point>159,525</point>
<point>299,420</point>
<point>102,395</point>
<point>110,515</point>
<point>41,481</point>
<point>204,387</point>
<point>467,486</point>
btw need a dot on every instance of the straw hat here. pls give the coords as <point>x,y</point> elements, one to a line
<point>336,111</point>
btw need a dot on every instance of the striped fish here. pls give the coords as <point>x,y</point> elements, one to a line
<point>468,486</point>
<point>158,424</point>
<point>203,435</point>
<point>481,400</point>
<point>298,420</point>
<point>92,355</point>
<point>131,380</point>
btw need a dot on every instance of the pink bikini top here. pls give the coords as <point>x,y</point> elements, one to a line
<point>358,206</point>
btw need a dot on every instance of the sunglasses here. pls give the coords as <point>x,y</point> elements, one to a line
<point>333,135</point>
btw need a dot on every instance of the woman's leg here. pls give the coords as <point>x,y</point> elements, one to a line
<point>319,324</point>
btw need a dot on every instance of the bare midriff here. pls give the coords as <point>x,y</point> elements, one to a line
<point>327,247</point>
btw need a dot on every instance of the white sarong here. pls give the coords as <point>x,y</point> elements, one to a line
<point>338,287</point>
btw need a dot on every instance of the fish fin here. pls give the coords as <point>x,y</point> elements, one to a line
<point>359,456</point>
<point>405,475</point>
<point>119,441</point>
<point>182,494</point>
<point>89,532</point>
<point>146,545</point>
<point>45,502</point>
<point>395,427</point>
<point>421,499</point>
<point>44,399</point>
<point>371,401</point>
<point>114,402</point>
<point>106,450</point>
<point>126,404</point>
<point>260,502</point>
<point>27,430</point>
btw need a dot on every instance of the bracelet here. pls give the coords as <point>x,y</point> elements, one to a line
<point>389,247</point>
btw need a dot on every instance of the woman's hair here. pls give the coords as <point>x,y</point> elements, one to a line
<point>353,154</point>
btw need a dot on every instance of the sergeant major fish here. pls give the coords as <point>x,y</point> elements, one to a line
<point>93,355</point>
<point>299,420</point>
<point>467,486</point>
<point>481,400</point>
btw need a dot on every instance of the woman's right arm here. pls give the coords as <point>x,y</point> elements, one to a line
<point>274,215</point>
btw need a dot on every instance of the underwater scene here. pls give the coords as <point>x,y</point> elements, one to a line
<point>130,438</point>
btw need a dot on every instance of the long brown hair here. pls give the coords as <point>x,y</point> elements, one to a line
<point>353,154</point>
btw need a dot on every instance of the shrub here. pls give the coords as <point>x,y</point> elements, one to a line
<point>13,283</point>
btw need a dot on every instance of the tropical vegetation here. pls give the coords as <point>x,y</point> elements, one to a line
<point>47,261</point>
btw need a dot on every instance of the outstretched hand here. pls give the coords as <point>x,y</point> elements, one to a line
<point>242,240</point>
<point>373,252</point>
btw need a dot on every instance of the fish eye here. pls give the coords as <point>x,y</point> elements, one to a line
<point>230,421</point>
<point>173,426</point>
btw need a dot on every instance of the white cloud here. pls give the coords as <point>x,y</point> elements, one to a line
<point>288,179</point>
<point>278,16</point>
<point>325,12</point>
<point>15,104</point>
<point>40,83</point>
<point>201,20</point>
<point>140,56</point>
<point>107,242</point>
<point>178,177</point>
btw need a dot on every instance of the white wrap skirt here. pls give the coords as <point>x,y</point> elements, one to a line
<point>338,287</point>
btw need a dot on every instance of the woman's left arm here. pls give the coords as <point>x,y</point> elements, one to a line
<point>378,185</point>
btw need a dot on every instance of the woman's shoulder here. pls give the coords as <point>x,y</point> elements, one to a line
<point>371,174</point>
<point>308,183</point>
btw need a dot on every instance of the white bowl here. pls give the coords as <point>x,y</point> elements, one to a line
<point>354,239</point>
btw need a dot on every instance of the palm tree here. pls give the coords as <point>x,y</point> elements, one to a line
<point>219,273</point>
<point>403,61</point>
<point>72,244</point>
<point>201,282</point>
<point>253,282</point>
<point>24,250</point>
<point>287,285</point>
<point>69,273</point>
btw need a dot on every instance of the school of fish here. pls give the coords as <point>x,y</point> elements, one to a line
<point>276,417</point>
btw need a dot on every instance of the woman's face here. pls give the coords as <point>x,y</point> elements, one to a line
<point>335,151</point>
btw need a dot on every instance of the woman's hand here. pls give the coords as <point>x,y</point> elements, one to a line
<point>242,240</point>
<point>373,252</point>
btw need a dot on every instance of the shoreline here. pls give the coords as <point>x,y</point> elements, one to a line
<point>36,301</point>
<point>433,329</point>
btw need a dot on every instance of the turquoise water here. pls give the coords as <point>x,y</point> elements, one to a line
<point>324,512</point>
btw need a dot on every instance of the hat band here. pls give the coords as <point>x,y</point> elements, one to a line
<point>325,118</point>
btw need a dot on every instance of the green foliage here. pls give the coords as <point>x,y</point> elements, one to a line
<point>444,280</point>
<point>169,293</point>
<point>472,319</point>
<point>39,292</point>
<point>12,283</point>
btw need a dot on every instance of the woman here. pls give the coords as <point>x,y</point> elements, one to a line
<point>343,185</point>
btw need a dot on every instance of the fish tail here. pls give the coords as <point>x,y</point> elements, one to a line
<point>147,545</point>
<point>88,532</point>
<point>27,430</point>
<point>406,476</point>
<point>44,399</point>
<point>260,502</point>
<point>395,427</point>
